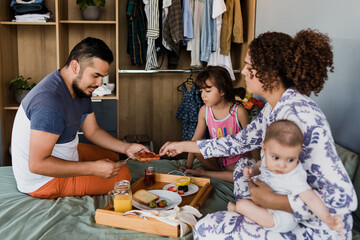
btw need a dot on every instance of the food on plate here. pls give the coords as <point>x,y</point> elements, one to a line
<point>172,189</point>
<point>147,156</point>
<point>144,197</point>
<point>183,188</point>
<point>182,184</point>
<point>181,192</point>
<point>152,204</point>
<point>162,203</point>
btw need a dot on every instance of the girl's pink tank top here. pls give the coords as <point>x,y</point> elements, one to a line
<point>221,128</point>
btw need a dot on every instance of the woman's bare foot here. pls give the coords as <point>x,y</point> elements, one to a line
<point>196,172</point>
<point>231,207</point>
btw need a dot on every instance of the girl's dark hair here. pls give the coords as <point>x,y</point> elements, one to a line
<point>301,62</point>
<point>220,78</point>
<point>90,48</point>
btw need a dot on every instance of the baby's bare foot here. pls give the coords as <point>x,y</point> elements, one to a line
<point>231,207</point>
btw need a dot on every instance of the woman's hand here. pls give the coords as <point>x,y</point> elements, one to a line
<point>262,195</point>
<point>171,149</point>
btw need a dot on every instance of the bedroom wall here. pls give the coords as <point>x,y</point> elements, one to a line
<point>1,161</point>
<point>340,97</point>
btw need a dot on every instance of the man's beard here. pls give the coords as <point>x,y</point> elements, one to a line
<point>77,90</point>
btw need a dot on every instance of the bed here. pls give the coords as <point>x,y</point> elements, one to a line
<point>25,217</point>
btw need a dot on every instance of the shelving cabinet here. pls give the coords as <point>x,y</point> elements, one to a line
<point>146,104</point>
<point>36,49</point>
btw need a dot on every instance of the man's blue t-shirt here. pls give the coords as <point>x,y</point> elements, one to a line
<point>50,108</point>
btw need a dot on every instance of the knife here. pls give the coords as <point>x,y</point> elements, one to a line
<point>133,155</point>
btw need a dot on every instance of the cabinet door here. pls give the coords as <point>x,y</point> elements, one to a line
<point>106,116</point>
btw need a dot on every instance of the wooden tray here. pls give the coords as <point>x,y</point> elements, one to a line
<point>108,217</point>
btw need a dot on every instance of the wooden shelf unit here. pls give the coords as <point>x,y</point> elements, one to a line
<point>146,103</point>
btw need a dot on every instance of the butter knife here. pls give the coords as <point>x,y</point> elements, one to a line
<point>133,155</point>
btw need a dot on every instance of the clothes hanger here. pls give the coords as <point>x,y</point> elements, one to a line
<point>189,81</point>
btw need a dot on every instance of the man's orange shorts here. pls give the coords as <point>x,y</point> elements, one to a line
<point>84,185</point>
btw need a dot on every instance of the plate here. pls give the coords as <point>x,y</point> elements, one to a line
<point>192,188</point>
<point>171,198</point>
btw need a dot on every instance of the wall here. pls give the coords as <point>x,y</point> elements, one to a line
<point>340,97</point>
<point>1,161</point>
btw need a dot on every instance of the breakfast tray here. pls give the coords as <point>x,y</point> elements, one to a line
<point>108,217</point>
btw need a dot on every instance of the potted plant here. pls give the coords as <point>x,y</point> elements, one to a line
<point>21,86</point>
<point>90,9</point>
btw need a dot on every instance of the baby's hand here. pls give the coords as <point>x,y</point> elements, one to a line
<point>335,223</point>
<point>248,172</point>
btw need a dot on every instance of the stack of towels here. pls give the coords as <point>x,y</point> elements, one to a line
<point>30,11</point>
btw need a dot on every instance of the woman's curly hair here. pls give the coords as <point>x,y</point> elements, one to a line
<point>301,62</point>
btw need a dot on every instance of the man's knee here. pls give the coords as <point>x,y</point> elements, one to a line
<point>124,173</point>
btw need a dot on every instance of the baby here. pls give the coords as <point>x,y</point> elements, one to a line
<point>283,173</point>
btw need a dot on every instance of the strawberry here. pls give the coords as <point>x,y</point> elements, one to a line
<point>162,203</point>
<point>181,192</point>
<point>172,189</point>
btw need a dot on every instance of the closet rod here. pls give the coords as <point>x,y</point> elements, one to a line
<point>168,71</point>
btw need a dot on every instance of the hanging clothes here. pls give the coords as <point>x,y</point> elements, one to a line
<point>216,58</point>
<point>188,111</point>
<point>232,26</point>
<point>173,27</point>
<point>187,21</point>
<point>136,21</point>
<point>194,44</point>
<point>208,32</point>
<point>152,34</point>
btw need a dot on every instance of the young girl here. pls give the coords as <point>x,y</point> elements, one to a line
<point>223,116</point>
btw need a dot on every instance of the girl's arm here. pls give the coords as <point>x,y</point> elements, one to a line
<point>199,133</point>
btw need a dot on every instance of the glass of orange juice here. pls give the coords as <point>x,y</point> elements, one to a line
<point>120,199</point>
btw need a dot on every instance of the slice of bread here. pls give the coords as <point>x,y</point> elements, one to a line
<point>144,197</point>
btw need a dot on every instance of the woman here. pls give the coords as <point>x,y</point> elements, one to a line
<point>285,71</point>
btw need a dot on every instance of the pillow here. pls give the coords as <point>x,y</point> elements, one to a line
<point>349,159</point>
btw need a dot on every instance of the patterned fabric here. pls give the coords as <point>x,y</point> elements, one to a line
<point>136,20</point>
<point>325,174</point>
<point>188,111</point>
<point>152,34</point>
<point>173,27</point>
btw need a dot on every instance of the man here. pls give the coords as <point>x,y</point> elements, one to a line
<point>48,161</point>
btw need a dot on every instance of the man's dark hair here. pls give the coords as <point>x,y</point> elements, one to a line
<point>90,48</point>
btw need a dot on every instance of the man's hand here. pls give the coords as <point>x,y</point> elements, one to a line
<point>171,149</point>
<point>106,168</point>
<point>133,148</point>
